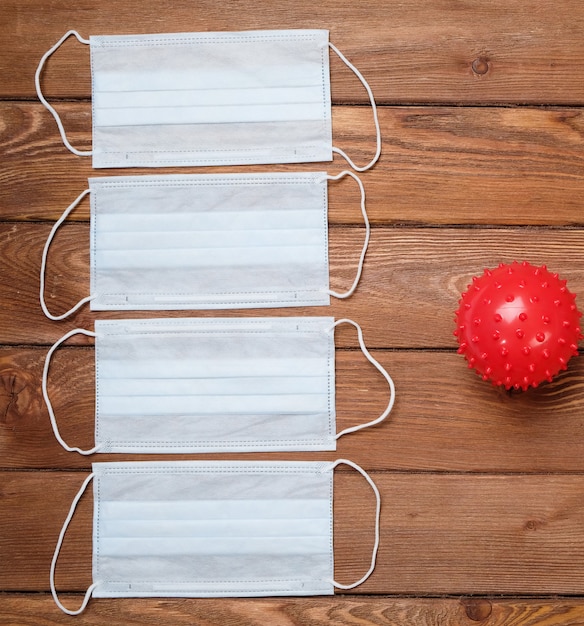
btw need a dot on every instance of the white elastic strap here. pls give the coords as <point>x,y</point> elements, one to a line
<point>58,549</point>
<point>373,107</point>
<point>75,331</point>
<point>44,263</point>
<point>367,235</point>
<point>37,82</point>
<point>377,521</point>
<point>379,368</point>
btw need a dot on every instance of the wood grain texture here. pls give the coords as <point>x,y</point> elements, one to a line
<point>40,610</point>
<point>439,165</point>
<point>399,303</point>
<point>445,417</point>
<point>440,534</point>
<point>530,51</point>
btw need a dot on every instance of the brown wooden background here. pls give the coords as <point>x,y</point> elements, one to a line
<point>483,162</point>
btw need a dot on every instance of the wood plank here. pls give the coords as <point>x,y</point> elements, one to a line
<point>445,418</point>
<point>440,165</point>
<point>440,533</point>
<point>420,52</point>
<point>342,610</point>
<point>408,293</point>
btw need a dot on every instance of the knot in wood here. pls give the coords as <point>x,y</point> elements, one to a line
<point>480,66</point>
<point>477,609</point>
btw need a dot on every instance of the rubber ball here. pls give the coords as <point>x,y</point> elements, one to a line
<point>518,325</point>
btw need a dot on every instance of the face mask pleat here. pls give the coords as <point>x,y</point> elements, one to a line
<point>146,115</point>
<point>235,194</point>
<point>247,576</point>
<point>233,547</point>
<point>205,406</point>
<point>200,404</point>
<point>167,91</point>
<point>246,433</point>
<point>112,244</point>
<point>253,254</point>
<point>140,387</point>
<point>178,524</point>
<point>214,482</point>
<point>228,368</point>
<point>175,145</point>
<point>256,221</point>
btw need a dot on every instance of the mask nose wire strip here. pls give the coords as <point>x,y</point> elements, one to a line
<point>373,107</point>
<point>44,263</point>
<point>380,369</point>
<point>367,236</point>
<point>37,82</point>
<point>377,521</point>
<point>58,549</point>
<point>75,331</point>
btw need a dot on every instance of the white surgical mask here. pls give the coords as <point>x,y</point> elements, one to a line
<point>208,241</point>
<point>215,385</point>
<point>212,529</point>
<point>224,98</point>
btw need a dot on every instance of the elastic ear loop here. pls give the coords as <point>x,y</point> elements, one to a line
<point>377,521</point>
<point>37,82</point>
<point>380,369</point>
<point>75,331</point>
<point>373,107</point>
<point>44,263</point>
<point>336,294</point>
<point>58,549</point>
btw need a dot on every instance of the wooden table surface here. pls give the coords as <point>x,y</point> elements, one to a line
<point>480,105</point>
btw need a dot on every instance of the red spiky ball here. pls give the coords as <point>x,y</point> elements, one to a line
<point>518,325</point>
